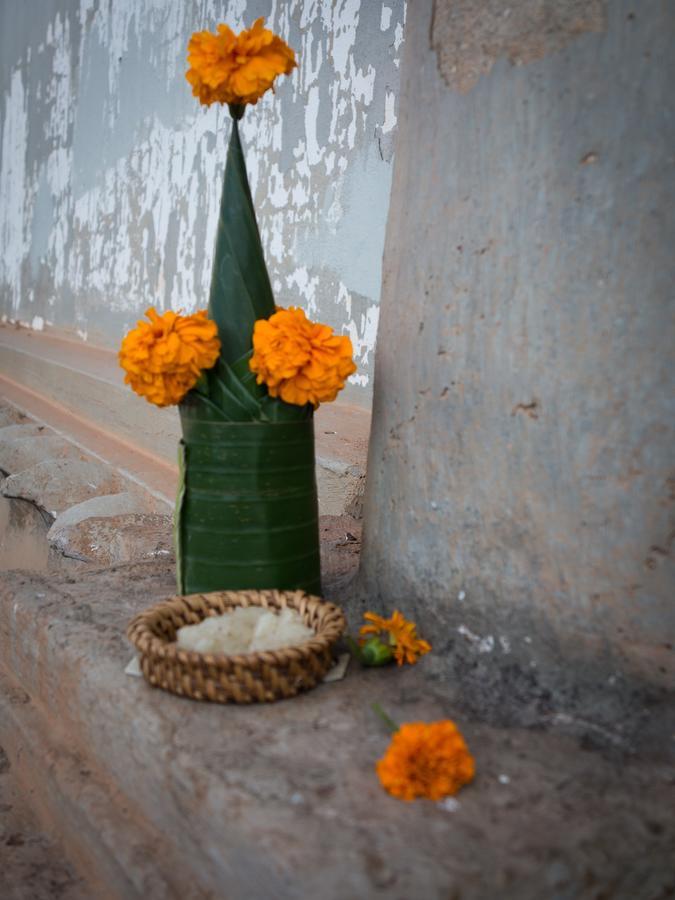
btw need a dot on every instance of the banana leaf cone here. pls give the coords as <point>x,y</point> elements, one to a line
<point>247,510</point>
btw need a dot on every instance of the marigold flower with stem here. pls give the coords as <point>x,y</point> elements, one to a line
<point>236,69</point>
<point>300,361</point>
<point>165,357</point>
<point>429,760</point>
<point>396,632</point>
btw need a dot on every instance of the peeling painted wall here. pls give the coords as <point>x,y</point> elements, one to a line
<point>110,171</point>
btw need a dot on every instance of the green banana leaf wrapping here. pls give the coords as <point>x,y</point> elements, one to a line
<point>240,286</point>
<point>247,510</point>
<point>249,515</point>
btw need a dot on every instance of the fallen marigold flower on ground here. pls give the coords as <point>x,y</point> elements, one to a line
<point>300,361</point>
<point>165,357</point>
<point>230,68</point>
<point>429,760</point>
<point>401,636</point>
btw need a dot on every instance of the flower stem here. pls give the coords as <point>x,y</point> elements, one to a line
<point>388,721</point>
<point>353,646</point>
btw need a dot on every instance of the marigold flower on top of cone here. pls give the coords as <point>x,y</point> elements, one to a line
<point>300,361</point>
<point>428,760</point>
<point>230,68</point>
<point>165,357</point>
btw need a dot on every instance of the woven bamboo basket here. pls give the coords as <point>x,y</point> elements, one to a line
<point>247,678</point>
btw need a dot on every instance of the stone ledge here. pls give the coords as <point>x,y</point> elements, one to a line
<point>75,805</point>
<point>281,800</point>
<point>98,514</point>
<point>32,864</point>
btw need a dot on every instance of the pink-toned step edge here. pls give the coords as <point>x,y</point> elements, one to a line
<point>342,430</point>
<point>89,359</point>
<point>152,472</point>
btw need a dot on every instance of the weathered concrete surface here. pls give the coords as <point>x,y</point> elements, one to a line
<point>157,476</point>
<point>90,384</point>
<point>11,416</point>
<point>469,37</point>
<point>56,484</point>
<point>18,431</point>
<point>110,171</point>
<point>520,480</point>
<point>110,539</point>
<point>124,503</point>
<point>55,514</point>
<point>35,445</point>
<point>32,866</point>
<point>161,797</point>
<point>340,544</point>
<point>23,536</point>
<point>113,528</point>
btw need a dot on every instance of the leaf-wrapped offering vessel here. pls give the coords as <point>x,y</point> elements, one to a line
<point>246,374</point>
<point>243,678</point>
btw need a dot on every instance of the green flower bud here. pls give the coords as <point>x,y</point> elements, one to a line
<point>375,653</point>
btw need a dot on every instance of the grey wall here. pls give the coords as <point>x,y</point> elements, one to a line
<point>110,171</point>
<point>522,459</point>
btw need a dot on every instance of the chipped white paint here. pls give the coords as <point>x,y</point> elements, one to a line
<point>389,112</point>
<point>398,36</point>
<point>13,238</point>
<point>449,804</point>
<point>110,172</point>
<point>482,645</point>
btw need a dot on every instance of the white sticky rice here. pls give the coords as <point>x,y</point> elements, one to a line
<point>245,630</point>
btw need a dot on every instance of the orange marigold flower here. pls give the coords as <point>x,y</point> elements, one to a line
<point>165,357</point>
<point>230,68</point>
<point>401,634</point>
<point>375,625</point>
<point>428,760</point>
<point>300,361</point>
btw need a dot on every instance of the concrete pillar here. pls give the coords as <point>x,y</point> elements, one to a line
<point>521,462</point>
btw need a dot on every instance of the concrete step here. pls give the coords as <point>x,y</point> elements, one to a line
<point>156,796</point>
<point>79,390</point>
<point>61,503</point>
<point>32,862</point>
<point>77,806</point>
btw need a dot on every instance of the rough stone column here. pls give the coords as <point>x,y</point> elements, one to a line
<point>521,461</point>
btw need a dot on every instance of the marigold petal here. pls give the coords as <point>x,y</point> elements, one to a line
<point>426,760</point>
<point>164,359</point>
<point>229,68</point>
<point>296,360</point>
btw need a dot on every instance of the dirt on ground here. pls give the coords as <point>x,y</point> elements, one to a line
<point>32,865</point>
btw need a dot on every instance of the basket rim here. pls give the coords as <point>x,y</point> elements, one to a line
<point>147,642</point>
